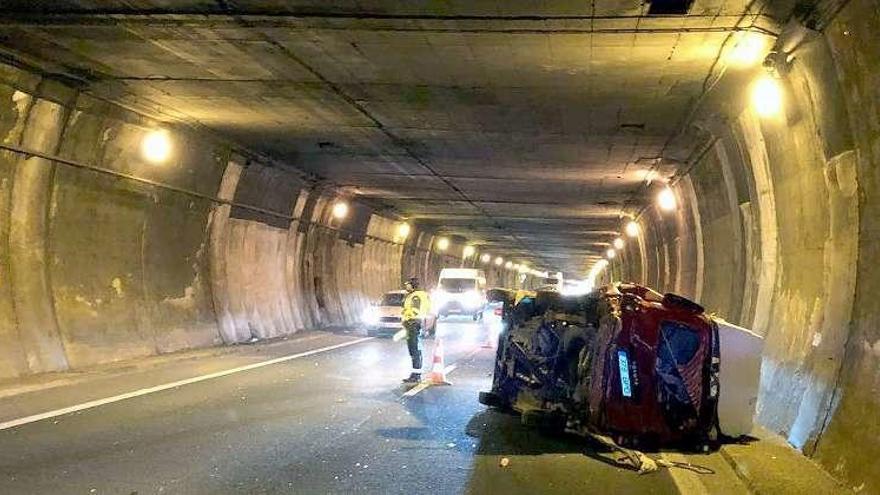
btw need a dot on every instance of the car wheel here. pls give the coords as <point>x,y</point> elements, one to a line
<point>492,399</point>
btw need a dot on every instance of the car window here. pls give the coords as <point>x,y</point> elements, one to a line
<point>392,299</point>
<point>458,284</point>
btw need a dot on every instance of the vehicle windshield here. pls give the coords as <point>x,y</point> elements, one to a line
<point>458,284</point>
<point>392,299</point>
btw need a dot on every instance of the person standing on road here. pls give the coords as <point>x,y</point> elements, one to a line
<point>416,306</point>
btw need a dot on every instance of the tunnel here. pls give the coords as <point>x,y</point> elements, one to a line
<point>189,187</point>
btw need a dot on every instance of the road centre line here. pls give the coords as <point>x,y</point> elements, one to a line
<point>165,386</point>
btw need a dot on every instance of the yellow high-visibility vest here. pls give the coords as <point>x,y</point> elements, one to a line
<point>416,305</point>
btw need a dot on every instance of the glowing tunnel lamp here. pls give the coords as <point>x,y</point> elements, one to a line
<point>523,269</point>
<point>486,257</point>
<point>767,96</point>
<point>632,228</point>
<point>340,210</point>
<point>442,244</point>
<point>666,200</point>
<point>403,230</point>
<point>498,261</point>
<point>618,243</point>
<point>508,265</point>
<point>156,146</point>
<point>468,251</point>
<point>611,253</point>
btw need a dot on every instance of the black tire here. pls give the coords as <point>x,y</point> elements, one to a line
<point>543,420</point>
<point>492,399</point>
<point>476,316</point>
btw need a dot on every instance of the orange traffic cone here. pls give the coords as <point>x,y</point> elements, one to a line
<point>438,367</point>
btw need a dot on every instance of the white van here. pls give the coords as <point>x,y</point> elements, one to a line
<point>460,291</point>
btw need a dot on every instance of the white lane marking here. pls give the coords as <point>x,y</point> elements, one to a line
<point>447,370</point>
<point>165,386</point>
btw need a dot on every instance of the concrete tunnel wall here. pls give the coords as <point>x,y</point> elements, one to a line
<point>96,268</point>
<point>777,230</point>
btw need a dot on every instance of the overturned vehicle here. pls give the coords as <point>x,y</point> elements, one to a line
<point>627,363</point>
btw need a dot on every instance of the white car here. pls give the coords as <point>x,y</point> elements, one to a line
<point>384,316</point>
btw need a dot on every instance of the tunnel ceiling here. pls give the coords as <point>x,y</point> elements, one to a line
<point>529,127</point>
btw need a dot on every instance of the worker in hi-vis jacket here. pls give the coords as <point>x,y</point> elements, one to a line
<point>416,306</point>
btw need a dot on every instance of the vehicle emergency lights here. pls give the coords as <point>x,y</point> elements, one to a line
<point>486,257</point>
<point>156,146</point>
<point>442,244</point>
<point>632,228</point>
<point>666,200</point>
<point>340,210</point>
<point>618,243</point>
<point>468,251</point>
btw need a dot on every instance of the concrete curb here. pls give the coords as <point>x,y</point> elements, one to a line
<point>769,465</point>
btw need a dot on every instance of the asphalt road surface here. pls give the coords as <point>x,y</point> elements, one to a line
<point>336,421</point>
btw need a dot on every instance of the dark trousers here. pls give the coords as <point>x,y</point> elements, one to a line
<point>413,329</point>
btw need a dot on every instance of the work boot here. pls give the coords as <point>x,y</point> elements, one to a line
<point>413,378</point>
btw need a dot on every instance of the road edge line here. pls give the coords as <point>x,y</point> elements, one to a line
<point>166,386</point>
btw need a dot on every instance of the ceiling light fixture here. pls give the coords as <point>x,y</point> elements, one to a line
<point>403,230</point>
<point>442,244</point>
<point>618,243</point>
<point>632,228</point>
<point>666,199</point>
<point>156,146</point>
<point>340,210</point>
<point>767,96</point>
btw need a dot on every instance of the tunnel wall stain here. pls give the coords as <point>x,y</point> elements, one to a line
<point>779,235</point>
<point>97,268</point>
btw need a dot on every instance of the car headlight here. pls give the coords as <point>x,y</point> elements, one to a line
<point>370,316</point>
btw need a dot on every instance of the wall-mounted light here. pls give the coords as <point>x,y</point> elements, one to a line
<point>618,243</point>
<point>611,253</point>
<point>767,96</point>
<point>403,230</point>
<point>442,244</point>
<point>340,210</point>
<point>468,251</point>
<point>508,265</point>
<point>666,199</point>
<point>632,228</point>
<point>486,257</point>
<point>156,146</point>
<point>498,261</point>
